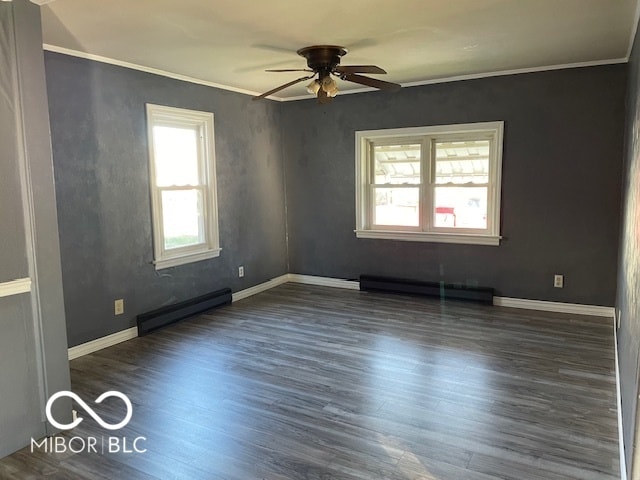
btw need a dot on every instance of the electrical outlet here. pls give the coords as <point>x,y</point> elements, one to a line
<point>118,307</point>
<point>558,281</point>
<point>240,271</point>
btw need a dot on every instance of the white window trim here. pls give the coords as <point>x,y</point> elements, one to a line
<point>489,237</point>
<point>165,258</point>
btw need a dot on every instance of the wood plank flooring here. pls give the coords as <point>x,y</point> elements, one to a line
<point>305,382</point>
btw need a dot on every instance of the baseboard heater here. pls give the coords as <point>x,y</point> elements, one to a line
<point>163,316</point>
<point>431,289</point>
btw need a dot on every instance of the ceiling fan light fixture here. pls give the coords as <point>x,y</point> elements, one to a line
<point>329,86</point>
<point>313,87</point>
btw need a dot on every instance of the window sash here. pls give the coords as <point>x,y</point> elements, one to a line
<point>456,229</point>
<point>206,214</point>
<point>200,152</point>
<point>372,210</point>
<point>202,215</point>
<point>428,138</point>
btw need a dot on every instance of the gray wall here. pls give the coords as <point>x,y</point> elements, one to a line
<point>560,201</point>
<point>45,261</point>
<point>20,390</point>
<point>560,191</point>
<point>13,248</point>
<point>628,301</point>
<point>100,156</point>
<point>33,344</point>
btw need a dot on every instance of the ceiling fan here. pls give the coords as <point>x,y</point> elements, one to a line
<point>324,61</point>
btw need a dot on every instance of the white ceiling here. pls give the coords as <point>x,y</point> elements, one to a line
<point>230,43</point>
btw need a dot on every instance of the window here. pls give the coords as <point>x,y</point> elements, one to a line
<point>431,184</point>
<point>183,185</point>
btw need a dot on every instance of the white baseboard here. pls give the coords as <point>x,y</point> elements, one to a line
<point>558,307</point>
<point>123,335</point>
<point>295,278</point>
<point>103,342</point>
<point>623,458</point>
<point>324,281</point>
<point>274,282</point>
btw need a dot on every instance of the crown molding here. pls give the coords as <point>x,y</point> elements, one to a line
<point>476,76</point>
<point>185,78</point>
<point>142,68</point>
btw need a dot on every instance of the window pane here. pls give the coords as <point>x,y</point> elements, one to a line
<point>176,156</point>
<point>462,162</point>
<point>460,207</point>
<point>397,164</point>
<point>397,206</point>
<point>182,218</point>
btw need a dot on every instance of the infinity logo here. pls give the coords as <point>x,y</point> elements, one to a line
<point>89,410</point>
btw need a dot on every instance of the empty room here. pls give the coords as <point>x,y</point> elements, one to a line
<point>338,240</point>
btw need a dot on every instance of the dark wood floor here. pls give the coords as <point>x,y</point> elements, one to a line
<point>317,383</point>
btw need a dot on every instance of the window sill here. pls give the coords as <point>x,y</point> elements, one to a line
<point>461,238</point>
<point>186,258</point>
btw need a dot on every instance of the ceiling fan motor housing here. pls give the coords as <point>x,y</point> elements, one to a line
<point>322,58</point>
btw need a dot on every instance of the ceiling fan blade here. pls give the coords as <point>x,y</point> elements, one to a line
<point>282,87</point>
<point>359,69</point>
<point>289,70</point>
<point>371,82</point>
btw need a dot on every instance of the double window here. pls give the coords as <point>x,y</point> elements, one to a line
<point>435,184</point>
<point>183,185</point>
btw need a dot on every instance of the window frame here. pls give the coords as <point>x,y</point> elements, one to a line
<point>203,123</point>
<point>428,136</point>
